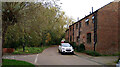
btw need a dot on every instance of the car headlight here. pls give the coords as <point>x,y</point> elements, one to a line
<point>72,49</point>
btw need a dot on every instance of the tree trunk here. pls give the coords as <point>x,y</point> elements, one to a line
<point>4,30</point>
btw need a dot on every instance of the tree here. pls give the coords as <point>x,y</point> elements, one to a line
<point>37,25</point>
<point>10,15</point>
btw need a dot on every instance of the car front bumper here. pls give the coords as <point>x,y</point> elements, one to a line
<point>67,51</point>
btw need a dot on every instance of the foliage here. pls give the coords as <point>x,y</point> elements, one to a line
<point>30,50</point>
<point>10,15</point>
<point>117,61</point>
<point>36,25</point>
<point>66,41</point>
<point>73,44</point>
<point>92,53</point>
<point>15,63</point>
<point>80,47</point>
<point>116,54</point>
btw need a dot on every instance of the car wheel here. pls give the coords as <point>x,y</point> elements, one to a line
<point>58,50</point>
<point>62,53</point>
<point>72,53</point>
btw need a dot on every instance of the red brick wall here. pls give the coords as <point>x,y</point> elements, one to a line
<point>107,29</point>
<point>71,33</point>
<point>67,35</point>
<point>76,31</point>
<point>87,29</point>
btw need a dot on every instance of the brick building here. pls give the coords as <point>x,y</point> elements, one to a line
<point>99,31</point>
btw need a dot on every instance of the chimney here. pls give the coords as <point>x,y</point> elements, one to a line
<point>78,18</point>
<point>92,9</point>
<point>90,12</point>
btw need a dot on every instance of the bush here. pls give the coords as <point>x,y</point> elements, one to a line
<point>73,45</point>
<point>11,45</point>
<point>117,61</point>
<point>92,53</point>
<point>66,41</point>
<point>80,47</point>
<point>30,50</point>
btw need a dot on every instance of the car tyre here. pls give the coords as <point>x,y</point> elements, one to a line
<point>72,53</point>
<point>58,50</point>
<point>62,53</point>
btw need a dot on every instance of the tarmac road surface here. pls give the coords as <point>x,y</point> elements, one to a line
<point>50,56</point>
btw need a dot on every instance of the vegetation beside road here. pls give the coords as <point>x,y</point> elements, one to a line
<point>81,48</point>
<point>46,27</point>
<point>116,61</point>
<point>94,53</point>
<point>16,63</point>
<point>30,50</point>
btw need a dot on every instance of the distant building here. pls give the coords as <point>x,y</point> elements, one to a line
<point>99,31</point>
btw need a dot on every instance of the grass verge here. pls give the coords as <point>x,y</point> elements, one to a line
<point>16,63</point>
<point>116,61</point>
<point>94,53</point>
<point>30,50</point>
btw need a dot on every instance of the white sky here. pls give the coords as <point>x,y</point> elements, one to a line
<point>80,8</point>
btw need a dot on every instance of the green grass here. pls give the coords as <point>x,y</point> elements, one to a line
<point>92,53</point>
<point>116,54</point>
<point>15,63</point>
<point>110,55</point>
<point>30,50</point>
<point>116,61</point>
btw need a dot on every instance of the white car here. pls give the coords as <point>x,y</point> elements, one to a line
<point>65,48</point>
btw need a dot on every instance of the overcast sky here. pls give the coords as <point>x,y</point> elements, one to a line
<point>80,8</point>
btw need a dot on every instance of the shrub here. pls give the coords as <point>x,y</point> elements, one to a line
<point>73,44</point>
<point>66,41</point>
<point>117,61</point>
<point>92,53</point>
<point>80,47</point>
<point>11,45</point>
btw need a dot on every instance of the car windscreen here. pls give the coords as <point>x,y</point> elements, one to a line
<point>66,45</point>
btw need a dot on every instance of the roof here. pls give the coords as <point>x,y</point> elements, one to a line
<point>116,1</point>
<point>92,13</point>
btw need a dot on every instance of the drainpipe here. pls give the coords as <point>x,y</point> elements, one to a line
<point>95,30</point>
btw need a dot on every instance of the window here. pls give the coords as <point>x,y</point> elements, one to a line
<point>87,21</point>
<point>79,32</point>
<point>77,38</point>
<point>79,24</point>
<point>93,19</point>
<point>70,28</point>
<point>88,37</point>
<point>76,26</point>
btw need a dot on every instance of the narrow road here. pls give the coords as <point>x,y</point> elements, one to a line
<point>50,56</point>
